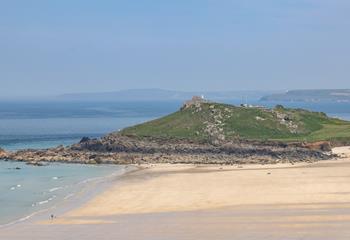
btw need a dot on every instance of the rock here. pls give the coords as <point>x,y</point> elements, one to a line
<point>84,139</point>
<point>35,163</point>
<point>259,118</point>
<point>118,149</point>
<point>3,153</point>
<point>195,101</point>
<point>322,146</point>
<point>91,161</point>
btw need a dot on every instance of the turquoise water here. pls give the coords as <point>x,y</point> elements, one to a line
<point>29,189</point>
<point>41,125</point>
<point>48,124</point>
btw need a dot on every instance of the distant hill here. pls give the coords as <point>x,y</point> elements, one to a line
<point>209,121</point>
<point>162,95</point>
<point>330,95</point>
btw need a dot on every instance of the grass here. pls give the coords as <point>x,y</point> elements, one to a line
<point>212,120</point>
<point>180,124</point>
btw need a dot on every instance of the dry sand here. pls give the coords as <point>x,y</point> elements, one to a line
<point>302,201</point>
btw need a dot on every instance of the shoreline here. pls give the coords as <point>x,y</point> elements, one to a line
<point>91,188</point>
<point>106,183</point>
<point>189,201</point>
<point>153,172</point>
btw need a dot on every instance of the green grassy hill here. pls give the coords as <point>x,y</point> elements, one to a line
<point>205,121</point>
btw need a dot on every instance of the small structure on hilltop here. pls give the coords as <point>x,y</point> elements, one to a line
<point>195,101</point>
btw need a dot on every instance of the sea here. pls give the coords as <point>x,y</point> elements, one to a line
<point>26,190</point>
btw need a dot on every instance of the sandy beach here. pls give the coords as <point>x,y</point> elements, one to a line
<point>281,201</point>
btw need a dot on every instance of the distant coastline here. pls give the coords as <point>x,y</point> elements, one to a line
<point>155,94</point>
<point>321,95</point>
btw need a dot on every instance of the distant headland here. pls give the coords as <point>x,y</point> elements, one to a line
<point>316,95</point>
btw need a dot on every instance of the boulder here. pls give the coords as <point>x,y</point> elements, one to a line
<point>35,163</point>
<point>3,153</point>
<point>322,146</point>
<point>84,139</point>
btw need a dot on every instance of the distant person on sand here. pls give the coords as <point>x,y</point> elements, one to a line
<point>52,216</point>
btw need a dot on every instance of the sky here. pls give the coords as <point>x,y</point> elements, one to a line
<point>50,47</point>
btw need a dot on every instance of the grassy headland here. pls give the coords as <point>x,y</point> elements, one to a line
<point>209,133</point>
<point>206,121</point>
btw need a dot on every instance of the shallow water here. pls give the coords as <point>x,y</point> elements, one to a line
<point>29,189</point>
<point>40,125</point>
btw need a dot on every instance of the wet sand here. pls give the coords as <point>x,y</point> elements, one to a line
<point>302,201</point>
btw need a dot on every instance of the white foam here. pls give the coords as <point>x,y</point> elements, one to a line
<point>51,198</point>
<point>55,189</point>
<point>17,186</point>
<point>43,202</point>
<point>68,196</point>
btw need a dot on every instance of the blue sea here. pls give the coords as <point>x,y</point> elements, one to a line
<point>28,189</point>
<point>34,124</point>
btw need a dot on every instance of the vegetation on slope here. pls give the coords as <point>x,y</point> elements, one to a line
<point>206,121</point>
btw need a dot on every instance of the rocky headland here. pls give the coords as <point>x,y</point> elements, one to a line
<point>202,132</point>
<point>118,149</point>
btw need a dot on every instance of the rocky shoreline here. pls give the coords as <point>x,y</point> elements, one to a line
<point>118,149</point>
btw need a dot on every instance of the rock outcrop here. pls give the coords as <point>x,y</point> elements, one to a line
<point>3,153</point>
<point>195,101</point>
<point>118,149</point>
<point>322,146</point>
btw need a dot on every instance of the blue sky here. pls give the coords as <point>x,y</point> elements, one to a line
<point>52,47</point>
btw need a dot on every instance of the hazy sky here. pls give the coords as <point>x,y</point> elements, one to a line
<point>52,47</point>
